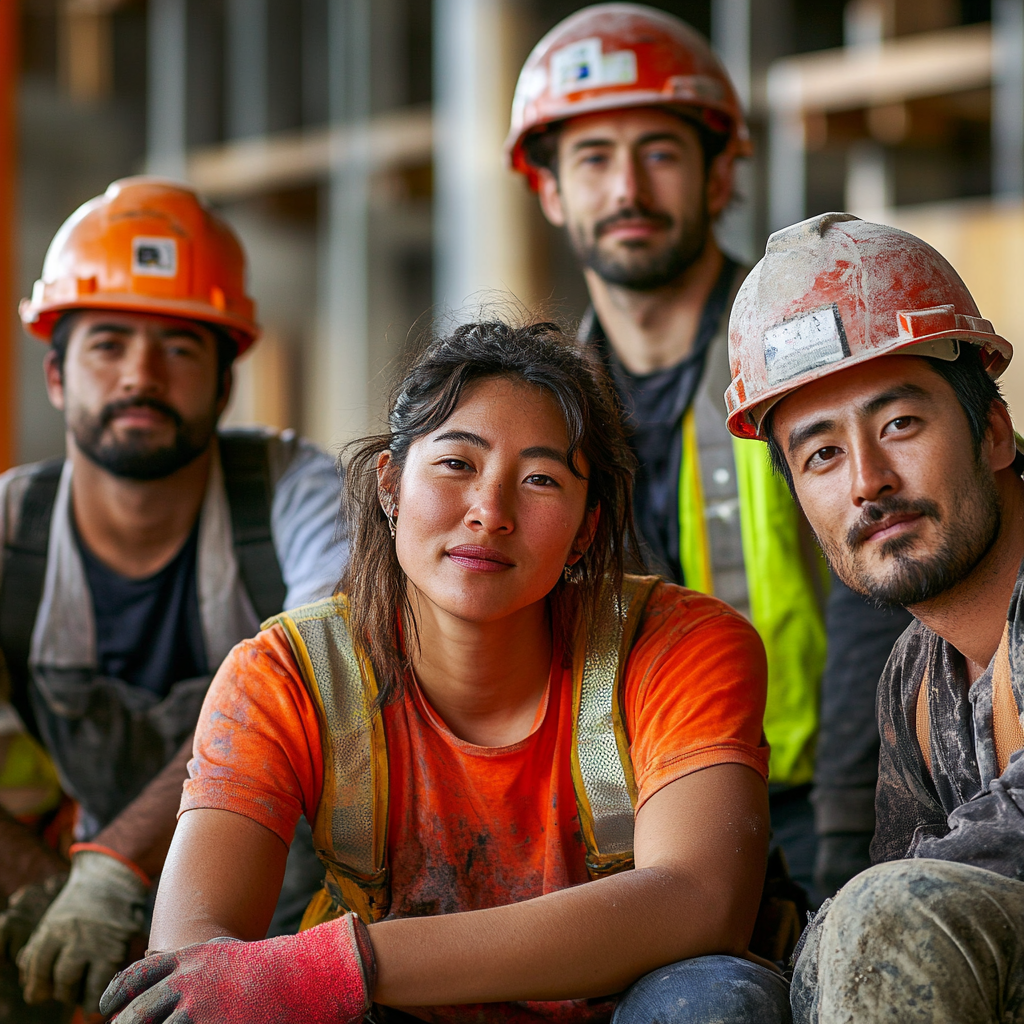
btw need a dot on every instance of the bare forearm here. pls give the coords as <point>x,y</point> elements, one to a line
<point>142,831</point>
<point>25,859</point>
<point>592,940</point>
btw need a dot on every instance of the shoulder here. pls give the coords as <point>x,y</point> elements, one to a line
<point>288,455</point>
<point>13,485</point>
<point>904,670</point>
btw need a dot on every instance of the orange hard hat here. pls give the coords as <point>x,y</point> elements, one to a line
<point>611,56</point>
<point>147,245</point>
<point>834,291</point>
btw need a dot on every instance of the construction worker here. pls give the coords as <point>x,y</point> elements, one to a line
<point>538,783</point>
<point>132,566</point>
<point>860,357</point>
<point>628,127</point>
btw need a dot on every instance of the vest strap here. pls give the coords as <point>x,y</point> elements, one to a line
<point>21,589</point>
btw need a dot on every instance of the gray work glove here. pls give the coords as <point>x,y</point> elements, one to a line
<point>24,911</point>
<point>83,938</point>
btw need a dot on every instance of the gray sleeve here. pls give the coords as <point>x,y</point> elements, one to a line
<point>310,536</point>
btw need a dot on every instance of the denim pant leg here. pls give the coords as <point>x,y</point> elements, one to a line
<point>706,990</point>
<point>915,940</point>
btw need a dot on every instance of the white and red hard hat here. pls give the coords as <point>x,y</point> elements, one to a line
<point>611,56</point>
<point>834,291</point>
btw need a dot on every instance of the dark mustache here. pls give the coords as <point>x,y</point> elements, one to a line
<point>112,409</point>
<point>876,511</point>
<point>632,213</point>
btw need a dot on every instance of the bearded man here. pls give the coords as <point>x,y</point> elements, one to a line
<point>628,127</point>
<point>861,358</point>
<point>131,567</point>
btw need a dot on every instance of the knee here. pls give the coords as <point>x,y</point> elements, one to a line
<point>887,898</point>
<point>706,989</point>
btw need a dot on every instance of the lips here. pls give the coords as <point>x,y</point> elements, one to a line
<point>887,523</point>
<point>480,559</point>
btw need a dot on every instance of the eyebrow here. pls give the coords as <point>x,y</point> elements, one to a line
<point>169,332</point>
<point>642,141</point>
<point>535,452</point>
<point>802,435</point>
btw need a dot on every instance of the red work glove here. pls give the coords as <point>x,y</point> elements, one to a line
<point>321,976</point>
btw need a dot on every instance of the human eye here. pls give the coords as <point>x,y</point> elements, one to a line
<point>541,480</point>
<point>821,458</point>
<point>453,463</point>
<point>899,424</point>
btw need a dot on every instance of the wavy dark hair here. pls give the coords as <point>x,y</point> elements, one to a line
<point>538,355</point>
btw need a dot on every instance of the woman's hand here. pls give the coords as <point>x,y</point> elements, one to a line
<point>322,976</point>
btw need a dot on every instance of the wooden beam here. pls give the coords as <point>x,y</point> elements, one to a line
<point>852,77</point>
<point>234,170</point>
<point>8,215</point>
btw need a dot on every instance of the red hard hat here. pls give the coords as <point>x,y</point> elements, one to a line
<point>611,56</point>
<point>834,291</point>
<point>146,245</point>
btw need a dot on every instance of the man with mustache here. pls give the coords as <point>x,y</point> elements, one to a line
<point>628,127</point>
<point>860,357</point>
<point>131,567</point>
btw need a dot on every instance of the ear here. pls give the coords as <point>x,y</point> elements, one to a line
<point>1000,438</point>
<point>54,377</point>
<point>585,535</point>
<point>720,181</point>
<point>385,481</point>
<point>227,383</point>
<point>550,197</point>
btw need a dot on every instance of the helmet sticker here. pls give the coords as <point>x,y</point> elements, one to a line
<point>154,257</point>
<point>582,65</point>
<point>804,343</point>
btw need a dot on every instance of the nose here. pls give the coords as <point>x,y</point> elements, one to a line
<point>490,509</point>
<point>142,366</point>
<point>871,474</point>
<point>630,181</point>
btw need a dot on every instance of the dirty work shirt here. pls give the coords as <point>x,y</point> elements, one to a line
<point>148,631</point>
<point>473,827</point>
<point>655,404</point>
<point>964,809</point>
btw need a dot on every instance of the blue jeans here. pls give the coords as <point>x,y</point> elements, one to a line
<point>704,990</point>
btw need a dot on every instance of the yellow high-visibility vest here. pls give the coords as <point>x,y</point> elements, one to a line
<point>742,538</point>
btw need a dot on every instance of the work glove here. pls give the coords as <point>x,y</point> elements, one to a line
<point>83,938</point>
<point>322,976</point>
<point>24,911</point>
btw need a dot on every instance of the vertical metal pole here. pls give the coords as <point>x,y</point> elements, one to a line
<point>8,170</point>
<point>1008,98</point>
<point>247,69</point>
<point>342,368</point>
<point>787,158</point>
<point>730,36</point>
<point>166,97</point>
<point>480,230</point>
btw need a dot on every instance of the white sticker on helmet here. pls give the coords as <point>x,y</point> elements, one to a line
<point>154,257</point>
<point>582,65</point>
<point>803,344</point>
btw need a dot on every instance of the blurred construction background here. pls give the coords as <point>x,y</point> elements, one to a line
<point>356,145</point>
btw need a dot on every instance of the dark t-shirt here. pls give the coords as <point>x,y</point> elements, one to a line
<point>148,631</point>
<point>655,404</point>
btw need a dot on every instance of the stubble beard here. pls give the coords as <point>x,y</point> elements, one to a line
<point>968,534</point>
<point>637,266</point>
<point>134,457</point>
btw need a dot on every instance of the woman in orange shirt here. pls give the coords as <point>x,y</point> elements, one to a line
<point>441,722</point>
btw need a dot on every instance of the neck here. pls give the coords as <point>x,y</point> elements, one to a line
<point>972,615</point>
<point>135,526</point>
<point>485,680</point>
<point>652,330</point>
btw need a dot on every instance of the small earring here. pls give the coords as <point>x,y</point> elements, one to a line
<point>569,573</point>
<point>392,518</point>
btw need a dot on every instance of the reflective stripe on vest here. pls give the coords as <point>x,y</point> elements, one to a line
<point>742,538</point>
<point>350,830</point>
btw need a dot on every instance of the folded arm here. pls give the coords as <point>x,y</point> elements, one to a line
<point>700,850</point>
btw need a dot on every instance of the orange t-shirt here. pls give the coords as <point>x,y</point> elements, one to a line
<point>472,827</point>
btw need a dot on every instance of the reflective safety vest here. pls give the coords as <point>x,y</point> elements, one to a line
<point>743,539</point>
<point>351,824</point>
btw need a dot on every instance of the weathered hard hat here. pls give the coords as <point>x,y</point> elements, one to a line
<point>834,291</point>
<point>147,245</point>
<point>611,56</point>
